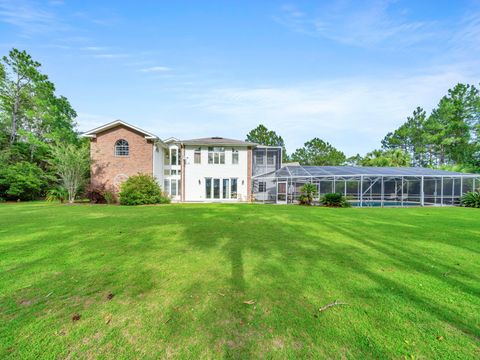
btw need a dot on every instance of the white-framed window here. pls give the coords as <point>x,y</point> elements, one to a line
<point>233,188</point>
<point>167,157</point>
<point>225,189</point>
<point>173,156</point>
<point>208,188</point>
<point>216,155</point>
<point>220,188</point>
<point>262,186</point>
<point>166,186</point>
<point>234,156</point>
<point>173,172</point>
<point>166,172</point>
<point>197,156</point>
<point>121,148</point>
<point>173,188</point>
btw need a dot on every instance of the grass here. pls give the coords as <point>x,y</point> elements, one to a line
<point>180,275</point>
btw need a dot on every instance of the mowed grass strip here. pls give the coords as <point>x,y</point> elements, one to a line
<point>172,281</point>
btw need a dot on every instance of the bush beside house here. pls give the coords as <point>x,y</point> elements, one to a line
<point>141,189</point>
<point>334,200</point>
<point>471,199</point>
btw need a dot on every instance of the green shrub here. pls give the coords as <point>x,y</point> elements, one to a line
<point>141,189</point>
<point>109,197</point>
<point>57,194</point>
<point>471,199</point>
<point>22,181</point>
<point>95,194</point>
<point>334,200</point>
<point>309,191</point>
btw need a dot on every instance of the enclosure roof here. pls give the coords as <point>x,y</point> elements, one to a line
<point>320,171</point>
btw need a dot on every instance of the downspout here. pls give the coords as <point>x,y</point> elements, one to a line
<point>249,174</point>
<point>182,167</point>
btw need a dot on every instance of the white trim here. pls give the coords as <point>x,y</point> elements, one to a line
<point>93,133</point>
<point>171,139</point>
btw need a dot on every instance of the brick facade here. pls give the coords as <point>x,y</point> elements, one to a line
<point>109,170</point>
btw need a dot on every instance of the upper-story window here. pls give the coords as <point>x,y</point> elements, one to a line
<point>197,156</point>
<point>121,148</point>
<point>173,156</point>
<point>234,156</point>
<point>216,155</point>
<point>167,157</point>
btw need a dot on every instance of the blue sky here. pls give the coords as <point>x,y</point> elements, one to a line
<point>344,71</point>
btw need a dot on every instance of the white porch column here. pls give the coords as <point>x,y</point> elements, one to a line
<point>422,195</point>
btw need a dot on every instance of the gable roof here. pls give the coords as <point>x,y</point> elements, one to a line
<point>217,141</point>
<point>93,133</point>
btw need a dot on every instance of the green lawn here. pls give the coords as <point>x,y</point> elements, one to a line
<point>180,275</point>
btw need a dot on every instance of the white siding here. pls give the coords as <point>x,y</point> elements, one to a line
<point>158,163</point>
<point>195,174</point>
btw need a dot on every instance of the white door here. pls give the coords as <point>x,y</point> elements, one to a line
<point>281,192</point>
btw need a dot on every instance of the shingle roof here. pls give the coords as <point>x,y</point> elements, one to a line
<point>217,141</point>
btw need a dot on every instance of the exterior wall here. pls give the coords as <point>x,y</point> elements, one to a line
<point>173,173</point>
<point>109,170</point>
<point>249,174</point>
<point>158,163</point>
<point>195,174</point>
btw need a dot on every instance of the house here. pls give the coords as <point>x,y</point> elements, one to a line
<point>206,169</point>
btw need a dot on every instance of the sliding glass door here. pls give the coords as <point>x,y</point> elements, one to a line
<point>216,188</point>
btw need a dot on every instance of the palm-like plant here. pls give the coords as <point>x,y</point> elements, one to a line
<point>334,200</point>
<point>309,191</point>
<point>57,194</point>
<point>471,199</point>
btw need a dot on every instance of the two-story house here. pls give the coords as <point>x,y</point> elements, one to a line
<point>206,169</point>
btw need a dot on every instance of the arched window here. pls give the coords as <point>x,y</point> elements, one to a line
<point>121,148</point>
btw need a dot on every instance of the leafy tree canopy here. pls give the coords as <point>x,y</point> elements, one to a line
<point>261,135</point>
<point>390,158</point>
<point>448,136</point>
<point>32,117</point>
<point>318,152</point>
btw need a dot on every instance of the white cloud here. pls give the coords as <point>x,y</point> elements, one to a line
<point>363,24</point>
<point>354,114</point>
<point>110,56</point>
<point>154,69</point>
<point>95,48</point>
<point>29,18</point>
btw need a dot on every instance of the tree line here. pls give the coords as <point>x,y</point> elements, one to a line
<point>41,150</point>
<point>40,147</point>
<point>447,138</point>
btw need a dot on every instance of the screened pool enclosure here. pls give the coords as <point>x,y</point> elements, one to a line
<point>366,186</point>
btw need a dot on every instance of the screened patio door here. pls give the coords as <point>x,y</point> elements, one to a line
<point>281,192</point>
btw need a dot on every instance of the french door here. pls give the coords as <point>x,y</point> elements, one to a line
<point>220,188</point>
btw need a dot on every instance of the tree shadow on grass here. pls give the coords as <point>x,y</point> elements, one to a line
<point>290,262</point>
<point>299,240</point>
<point>263,328</point>
<point>406,259</point>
